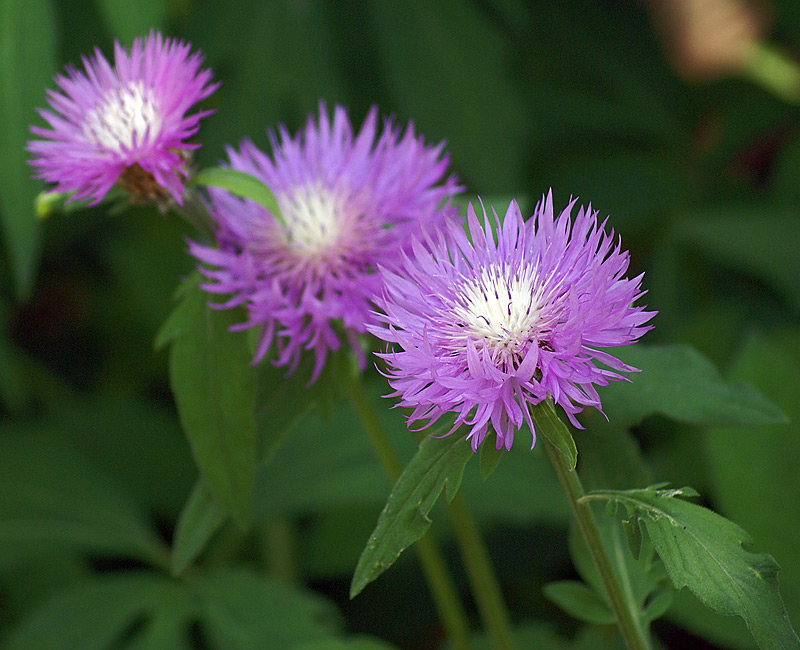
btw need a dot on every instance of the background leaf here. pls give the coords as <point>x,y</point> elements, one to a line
<point>677,381</point>
<point>214,388</point>
<point>753,470</point>
<point>129,19</point>
<point>27,64</point>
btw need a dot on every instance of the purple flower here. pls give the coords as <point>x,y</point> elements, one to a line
<point>125,124</point>
<point>348,203</point>
<point>485,326</point>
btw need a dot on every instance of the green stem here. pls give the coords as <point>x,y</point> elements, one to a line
<point>279,546</point>
<point>634,636</point>
<point>443,589</point>
<point>481,576</point>
<point>194,212</point>
<point>770,68</point>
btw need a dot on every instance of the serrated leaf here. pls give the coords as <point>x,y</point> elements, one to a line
<point>27,63</point>
<point>703,551</point>
<point>679,382</point>
<point>240,184</point>
<point>438,463</point>
<point>200,519</point>
<point>580,602</point>
<point>549,425</point>
<point>215,391</point>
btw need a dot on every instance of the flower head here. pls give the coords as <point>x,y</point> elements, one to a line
<point>125,124</point>
<point>484,326</point>
<point>348,203</point>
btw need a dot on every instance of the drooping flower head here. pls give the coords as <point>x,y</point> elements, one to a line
<point>487,325</point>
<point>126,124</point>
<point>348,203</point>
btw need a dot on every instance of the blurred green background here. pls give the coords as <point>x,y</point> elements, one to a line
<point>700,178</point>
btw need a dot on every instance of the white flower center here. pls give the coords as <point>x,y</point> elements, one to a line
<point>124,116</point>
<point>313,216</point>
<point>500,307</point>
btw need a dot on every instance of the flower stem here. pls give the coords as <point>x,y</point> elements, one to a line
<point>481,576</point>
<point>441,584</point>
<point>634,636</point>
<point>772,69</point>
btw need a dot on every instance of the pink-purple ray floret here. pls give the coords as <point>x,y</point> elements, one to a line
<point>443,358</point>
<point>167,74</point>
<point>383,189</point>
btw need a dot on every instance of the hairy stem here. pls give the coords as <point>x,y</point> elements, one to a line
<point>634,636</point>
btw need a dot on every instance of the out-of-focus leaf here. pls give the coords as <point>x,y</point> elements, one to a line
<point>243,611</point>
<point>761,239</point>
<point>201,518</point>
<point>235,608</point>
<point>215,391</point>
<point>354,643</point>
<point>27,62</point>
<point>439,463</point>
<point>441,51</point>
<point>753,470</point>
<point>677,381</point>
<point>634,187</point>
<point>529,634</point>
<point>97,613</point>
<point>726,631</point>
<point>703,550</point>
<point>343,471</point>
<point>580,602</point>
<point>490,456</point>
<point>240,184</point>
<point>50,498</point>
<point>128,19</point>
<point>275,42</point>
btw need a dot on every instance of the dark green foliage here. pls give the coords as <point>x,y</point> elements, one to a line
<point>110,539</point>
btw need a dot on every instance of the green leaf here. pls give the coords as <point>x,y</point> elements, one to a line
<point>27,63</point>
<point>215,392</point>
<point>580,602</point>
<point>128,19</point>
<point>434,50</point>
<point>490,455</point>
<point>703,550</point>
<point>354,643</point>
<point>753,470</point>
<point>549,425</point>
<point>759,238</point>
<point>201,518</point>
<point>439,463</point>
<point>52,500</point>
<point>677,381</point>
<point>633,531</point>
<point>96,614</point>
<point>235,608</point>
<point>242,611</point>
<point>240,184</point>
